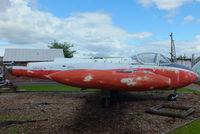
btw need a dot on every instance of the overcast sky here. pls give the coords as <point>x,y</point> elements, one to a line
<point>102,27</point>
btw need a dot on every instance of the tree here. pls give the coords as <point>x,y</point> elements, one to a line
<point>181,57</point>
<point>65,46</point>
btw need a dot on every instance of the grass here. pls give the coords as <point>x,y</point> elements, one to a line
<point>51,88</point>
<point>134,116</point>
<point>54,88</point>
<point>20,118</point>
<point>13,131</point>
<point>189,90</point>
<point>13,118</point>
<point>63,88</point>
<point>192,128</point>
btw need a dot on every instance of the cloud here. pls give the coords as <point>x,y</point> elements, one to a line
<point>4,5</point>
<point>182,47</point>
<point>163,4</point>
<point>172,13</point>
<point>33,4</point>
<point>198,20</point>
<point>197,37</point>
<point>170,21</point>
<point>93,33</point>
<point>141,35</point>
<point>188,19</point>
<point>192,47</point>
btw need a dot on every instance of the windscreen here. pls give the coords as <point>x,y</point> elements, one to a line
<point>149,58</point>
<point>163,60</point>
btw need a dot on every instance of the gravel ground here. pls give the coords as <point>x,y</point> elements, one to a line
<point>81,112</point>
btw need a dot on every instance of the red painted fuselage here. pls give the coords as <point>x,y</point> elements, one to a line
<point>133,79</point>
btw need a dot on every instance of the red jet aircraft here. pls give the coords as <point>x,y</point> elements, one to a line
<point>143,72</point>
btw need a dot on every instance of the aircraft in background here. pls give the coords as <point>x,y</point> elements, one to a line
<point>142,72</point>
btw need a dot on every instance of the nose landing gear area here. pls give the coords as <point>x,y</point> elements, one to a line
<point>173,97</point>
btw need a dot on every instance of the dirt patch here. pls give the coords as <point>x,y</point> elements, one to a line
<point>81,112</point>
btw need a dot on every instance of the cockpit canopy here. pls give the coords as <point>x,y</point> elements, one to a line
<point>151,59</point>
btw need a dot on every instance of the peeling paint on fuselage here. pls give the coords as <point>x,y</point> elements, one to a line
<point>101,81</point>
<point>146,78</point>
<point>169,83</point>
<point>67,79</point>
<point>151,88</point>
<point>30,71</point>
<point>128,81</point>
<point>88,78</point>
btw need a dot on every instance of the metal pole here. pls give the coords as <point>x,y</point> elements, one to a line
<point>171,53</point>
<point>192,60</point>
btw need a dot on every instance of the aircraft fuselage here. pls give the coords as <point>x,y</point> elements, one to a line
<point>111,76</point>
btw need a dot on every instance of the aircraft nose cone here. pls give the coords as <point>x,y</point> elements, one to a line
<point>58,76</point>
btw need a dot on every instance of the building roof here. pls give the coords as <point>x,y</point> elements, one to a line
<point>24,55</point>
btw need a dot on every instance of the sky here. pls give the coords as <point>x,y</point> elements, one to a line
<point>111,28</point>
